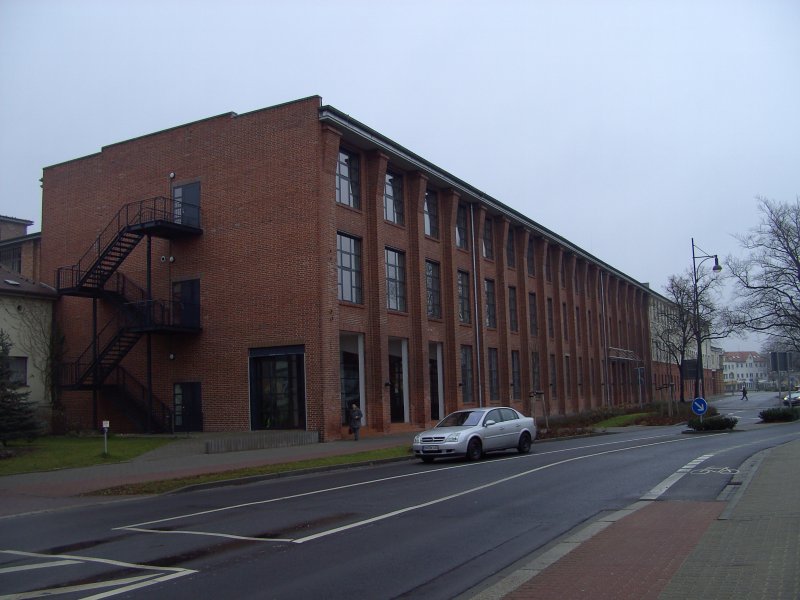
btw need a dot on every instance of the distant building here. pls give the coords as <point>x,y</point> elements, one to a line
<point>745,369</point>
<point>19,250</point>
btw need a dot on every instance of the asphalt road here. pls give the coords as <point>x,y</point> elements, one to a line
<point>400,530</point>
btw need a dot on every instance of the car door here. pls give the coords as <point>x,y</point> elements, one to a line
<point>493,433</point>
<point>512,426</point>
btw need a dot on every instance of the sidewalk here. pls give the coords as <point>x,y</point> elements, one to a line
<point>747,547</point>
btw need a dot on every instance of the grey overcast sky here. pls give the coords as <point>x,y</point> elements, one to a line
<point>627,127</point>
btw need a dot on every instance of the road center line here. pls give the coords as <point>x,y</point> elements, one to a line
<point>472,490</point>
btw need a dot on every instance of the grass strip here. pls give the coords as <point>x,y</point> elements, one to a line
<point>49,453</point>
<point>621,420</point>
<point>170,485</point>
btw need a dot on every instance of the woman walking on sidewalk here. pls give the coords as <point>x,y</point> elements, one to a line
<point>744,392</point>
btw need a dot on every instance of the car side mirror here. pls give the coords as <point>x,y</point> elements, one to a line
<point>489,422</point>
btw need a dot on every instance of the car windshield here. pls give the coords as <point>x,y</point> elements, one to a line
<point>463,418</point>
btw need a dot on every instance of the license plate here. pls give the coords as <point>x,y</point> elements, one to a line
<point>430,448</point>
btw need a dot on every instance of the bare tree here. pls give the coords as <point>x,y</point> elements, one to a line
<point>673,332</point>
<point>767,280</point>
<point>676,333</point>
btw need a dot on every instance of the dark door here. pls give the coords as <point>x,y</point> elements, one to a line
<point>186,303</point>
<point>186,204</point>
<point>434,377</point>
<point>398,412</point>
<point>187,406</point>
<point>277,392</point>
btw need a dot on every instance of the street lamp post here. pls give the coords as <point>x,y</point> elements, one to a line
<point>699,384</point>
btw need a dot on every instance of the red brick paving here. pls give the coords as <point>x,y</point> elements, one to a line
<point>634,558</point>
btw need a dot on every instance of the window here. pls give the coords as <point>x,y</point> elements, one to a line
<point>567,379</point>
<point>11,258</point>
<point>564,322</point>
<point>563,271</point>
<point>548,266</point>
<point>511,255</point>
<point>513,322</point>
<point>393,199</point>
<point>491,309</point>
<point>533,320</point>
<point>18,365</point>
<point>536,372</point>
<point>433,286</point>
<point>395,280</point>
<point>348,262</point>
<point>578,324</point>
<point>550,326</point>
<point>463,297</point>
<point>589,326</point>
<point>516,387</point>
<point>348,180</point>
<point>466,374</point>
<point>531,257</point>
<point>431,213</point>
<point>580,374</point>
<point>488,239</point>
<point>461,226</point>
<point>553,375</point>
<point>186,204</point>
<point>494,376</point>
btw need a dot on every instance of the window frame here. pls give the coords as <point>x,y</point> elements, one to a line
<point>433,289</point>
<point>462,285</point>
<point>395,279</point>
<point>430,211</point>
<point>357,271</point>
<point>393,204</point>
<point>352,179</point>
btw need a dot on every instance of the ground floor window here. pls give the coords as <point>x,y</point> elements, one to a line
<point>277,388</point>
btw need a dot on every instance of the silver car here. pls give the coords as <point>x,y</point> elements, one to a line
<point>472,432</point>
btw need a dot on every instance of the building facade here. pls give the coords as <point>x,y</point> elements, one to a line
<point>267,270</point>
<point>745,369</point>
<point>26,316</point>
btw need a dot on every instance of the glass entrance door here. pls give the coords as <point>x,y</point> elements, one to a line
<point>277,391</point>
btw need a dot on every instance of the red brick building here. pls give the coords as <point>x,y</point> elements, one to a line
<point>266,270</point>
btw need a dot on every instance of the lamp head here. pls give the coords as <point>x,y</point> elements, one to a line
<point>717,267</point>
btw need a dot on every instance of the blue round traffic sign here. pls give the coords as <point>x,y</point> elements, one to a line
<point>699,406</point>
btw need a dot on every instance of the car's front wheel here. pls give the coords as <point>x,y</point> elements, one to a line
<point>524,445</point>
<point>474,449</point>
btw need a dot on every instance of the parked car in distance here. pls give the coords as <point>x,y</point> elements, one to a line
<point>472,432</point>
<point>792,399</point>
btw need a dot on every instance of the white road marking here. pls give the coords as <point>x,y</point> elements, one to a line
<point>73,589</point>
<point>46,565</point>
<point>158,575</point>
<point>674,478</point>
<point>206,533</point>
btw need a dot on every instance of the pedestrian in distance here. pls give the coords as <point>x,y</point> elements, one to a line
<point>355,420</point>
<point>744,392</point>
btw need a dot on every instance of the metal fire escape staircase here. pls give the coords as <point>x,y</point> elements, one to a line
<point>96,275</point>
